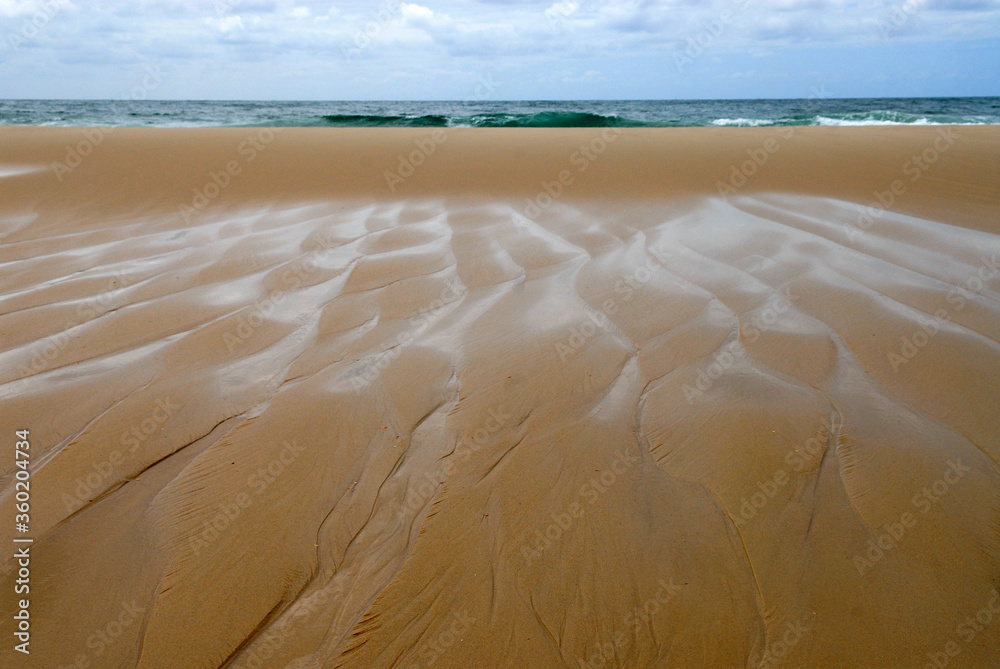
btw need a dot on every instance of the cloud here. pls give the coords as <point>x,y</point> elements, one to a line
<point>562,9</point>
<point>630,42</point>
<point>229,23</point>
<point>415,12</point>
<point>17,7</point>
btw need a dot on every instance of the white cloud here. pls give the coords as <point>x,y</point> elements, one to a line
<point>562,9</point>
<point>411,41</point>
<point>227,23</point>
<point>14,8</point>
<point>416,12</point>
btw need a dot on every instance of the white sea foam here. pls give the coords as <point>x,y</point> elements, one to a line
<point>825,120</point>
<point>746,122</point>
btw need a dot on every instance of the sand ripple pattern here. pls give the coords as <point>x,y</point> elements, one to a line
<point>437,433</point>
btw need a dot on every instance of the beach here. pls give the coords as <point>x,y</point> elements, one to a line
<point>565,397</point>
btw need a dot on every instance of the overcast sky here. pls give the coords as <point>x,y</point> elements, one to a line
<point>488,49</point>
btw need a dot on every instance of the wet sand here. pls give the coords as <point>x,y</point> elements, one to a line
<point>496,398</point>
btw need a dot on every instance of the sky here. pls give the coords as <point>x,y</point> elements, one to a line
<point>488,49</point>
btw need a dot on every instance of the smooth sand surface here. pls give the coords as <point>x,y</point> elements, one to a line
<point>470,416</point>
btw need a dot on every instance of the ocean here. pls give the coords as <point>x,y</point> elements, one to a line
<point>603,113</point>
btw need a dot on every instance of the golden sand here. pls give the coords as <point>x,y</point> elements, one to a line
<point>504,398</point>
